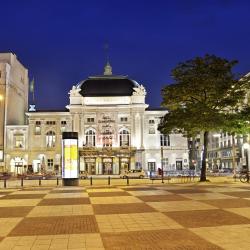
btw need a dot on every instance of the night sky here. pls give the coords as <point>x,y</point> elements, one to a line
<point>61,42</point>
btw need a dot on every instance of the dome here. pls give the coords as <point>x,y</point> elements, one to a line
<point>107,85</point>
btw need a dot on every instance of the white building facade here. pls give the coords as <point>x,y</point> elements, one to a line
<point>117,131</point>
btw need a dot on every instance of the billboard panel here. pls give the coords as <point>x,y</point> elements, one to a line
<point>70,159</point>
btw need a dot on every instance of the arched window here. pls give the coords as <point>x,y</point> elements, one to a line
<point>90,138</point>
<point>124,138</point>
<point>50,139</point>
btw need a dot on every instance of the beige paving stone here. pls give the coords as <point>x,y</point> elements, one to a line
<point>179,206</point>
<point>114,200</point>
<point>19,202</point>
<point>225,189</point>
<point>7,224</point>
<point>233,237</point>
<point>135,222</point>
<point>150,192</point>
<point>65,195</point>
<point>207,196</point>
<point>243,211</point>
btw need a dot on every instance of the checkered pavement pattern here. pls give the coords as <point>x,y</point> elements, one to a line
<point>167,216</point>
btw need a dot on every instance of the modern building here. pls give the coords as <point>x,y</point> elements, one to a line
<point>117,131</point>
<point>14,84</point>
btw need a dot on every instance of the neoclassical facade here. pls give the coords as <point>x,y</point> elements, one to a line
<point>117,131</point>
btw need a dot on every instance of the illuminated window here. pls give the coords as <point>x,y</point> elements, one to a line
<point>18,141</point>
<point>165,140</point>
<point>107,141</point>
<point>50,139</point>
<point>63,126</point>
<point>124,138</point>
<point>38,128</point>
<point>90,138</point>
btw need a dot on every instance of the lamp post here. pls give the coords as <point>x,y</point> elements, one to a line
<point>162,175</point>
<point>2,105</point>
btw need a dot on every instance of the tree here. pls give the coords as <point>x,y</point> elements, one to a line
<point>204,91</point>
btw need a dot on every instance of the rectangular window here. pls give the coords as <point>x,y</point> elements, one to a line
<point>90,120</point>
<point>19,141</point>
<point>164,163</point>
<point>151,131</point>
<point>38,128</point>
<point>50,164</point>
<point>50,123</point>
<point>165,140</point>
<point>124,119</point>
<point>151,121</point>
<point>151,166</point>
<point>63,123</point>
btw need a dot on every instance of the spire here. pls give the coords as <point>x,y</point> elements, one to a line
<point>107,69</point>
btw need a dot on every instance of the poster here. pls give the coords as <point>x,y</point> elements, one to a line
<point>70,159</point>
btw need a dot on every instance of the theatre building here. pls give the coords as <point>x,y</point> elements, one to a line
<point>117,131</point>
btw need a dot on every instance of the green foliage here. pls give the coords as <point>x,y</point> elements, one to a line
<point>205,96</point>
<point>204,92</point>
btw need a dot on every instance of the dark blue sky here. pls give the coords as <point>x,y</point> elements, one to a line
<point>61,42</point>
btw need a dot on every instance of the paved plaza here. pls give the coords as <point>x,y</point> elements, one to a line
<point>159,216</point>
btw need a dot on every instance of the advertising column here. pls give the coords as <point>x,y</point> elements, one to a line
<point>70,161</point>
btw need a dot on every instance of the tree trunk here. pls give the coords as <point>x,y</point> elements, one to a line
<point>204,157</point>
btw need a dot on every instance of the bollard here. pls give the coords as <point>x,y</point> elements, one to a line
<point>57,181</point>
<point>109,180</point>
<point>40,181</point>
<point>127,181</point>
<point>5,183</point>
<point>91,182</point>
<point>21,182</point>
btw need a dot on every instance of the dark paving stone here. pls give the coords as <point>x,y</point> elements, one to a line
<point>155,198</point>
<point>228,203</point>
<point>178,239</point>
<point>108,194</point>
<point>206,218</point>
<point>240,194</point>
<point>122,208</point>
<point>56,225</point>
<point>22,196</point>
<point>64,201</point>
<point>67,191</point>
<point>188,191</point>
<point>5,193</point>
<point>8,212</point>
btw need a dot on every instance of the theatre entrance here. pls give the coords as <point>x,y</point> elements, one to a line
<point>107,166</point>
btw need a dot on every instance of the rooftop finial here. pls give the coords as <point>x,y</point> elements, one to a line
<point>107,68</point>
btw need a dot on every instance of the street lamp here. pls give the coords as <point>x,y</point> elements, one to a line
<point>3,117</point>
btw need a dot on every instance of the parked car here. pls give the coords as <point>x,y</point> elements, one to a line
<point>133,173</point>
